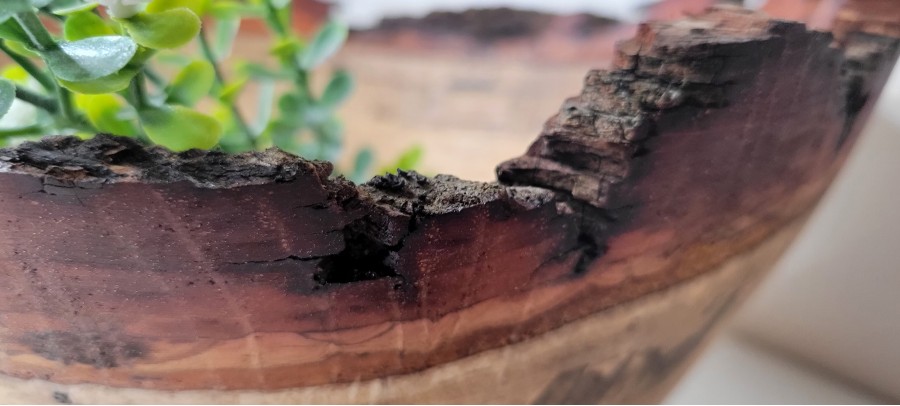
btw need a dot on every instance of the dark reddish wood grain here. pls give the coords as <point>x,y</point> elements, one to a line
<point>139,268</point>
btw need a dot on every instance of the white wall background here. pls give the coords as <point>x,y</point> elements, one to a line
<point>365,13</point>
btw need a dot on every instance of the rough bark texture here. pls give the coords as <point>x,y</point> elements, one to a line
<point>136,268</point>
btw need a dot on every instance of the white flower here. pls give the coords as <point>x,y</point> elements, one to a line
<point>123,8</point>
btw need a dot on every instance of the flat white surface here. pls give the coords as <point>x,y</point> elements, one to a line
<point>366,13</point>
<point>736,371</point>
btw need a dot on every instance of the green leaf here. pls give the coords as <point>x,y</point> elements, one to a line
<point>40,3</point>
<point>279,4</point>
<point>12,31</point>
<point>68,7</point>
<point>38,36</point>
<point>290,109</point>
<point>329,137</point>
<point>284,135</point>
<point>21,49</point>
<point>199,7</point>
<point>90,58</point>
<point>261,72</point>
<point>179,128</point>
<point>173,58</point>
<point>7,96</point>
<point>362,165</point>
<point>230,92</point>
<point>408,160</point>
<point>411,158</point>
<point>282,13</point>
<point>108,84</point>
<point>25,131</point>
<point>233,139</point>
<point>115,82</point>
<point>104,111</point>
<point>316,115</point>
<point>264,101</point>
<point>164,30</point>
<point>286,48</point>
<point>224,114</point>
<point>85,24</point>
<point>141,57</point>
<point>15,73</point>
<point>13,7</point>
<point>226,31</point>
<point>296,108</point>
<point>326,42</point>
<point>191,84</point>
<point>234,9</point>
<point>339,88</point>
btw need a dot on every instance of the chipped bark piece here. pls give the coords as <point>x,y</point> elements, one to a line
<point>592,272</point>
<point>672,73</point>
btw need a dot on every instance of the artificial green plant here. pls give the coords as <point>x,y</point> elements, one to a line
<point>88,69</point>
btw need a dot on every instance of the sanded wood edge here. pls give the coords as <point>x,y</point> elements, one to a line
<point>629,354</point>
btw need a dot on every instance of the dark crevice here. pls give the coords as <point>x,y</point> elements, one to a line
<point>593,227</point>
<point>586,246</point>
<point>398,201</point>
<point>275,261</point>
<point>855,102</point>
<point>62,398</point>
<point>865,54</point>
<point>371,243</point>
<point>364,258</point>
<point>591,249</point>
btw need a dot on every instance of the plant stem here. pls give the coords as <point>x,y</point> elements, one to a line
<point>154,78</point>
<point>49,13</point>
<point>138,91</point>
<point>273,20</point>
<point>65,103</point>
<point>29,130</point>
<point>41,40</point>
<point>38,35</point>
<point>137,97</point>
<point>301,76</point>
<point>32,69</point>
<point>220,82</point>
<point>210,57</point>
<point>42,102</point>
<point>72,118</point>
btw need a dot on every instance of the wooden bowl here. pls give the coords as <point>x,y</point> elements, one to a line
<point>593,271</point>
